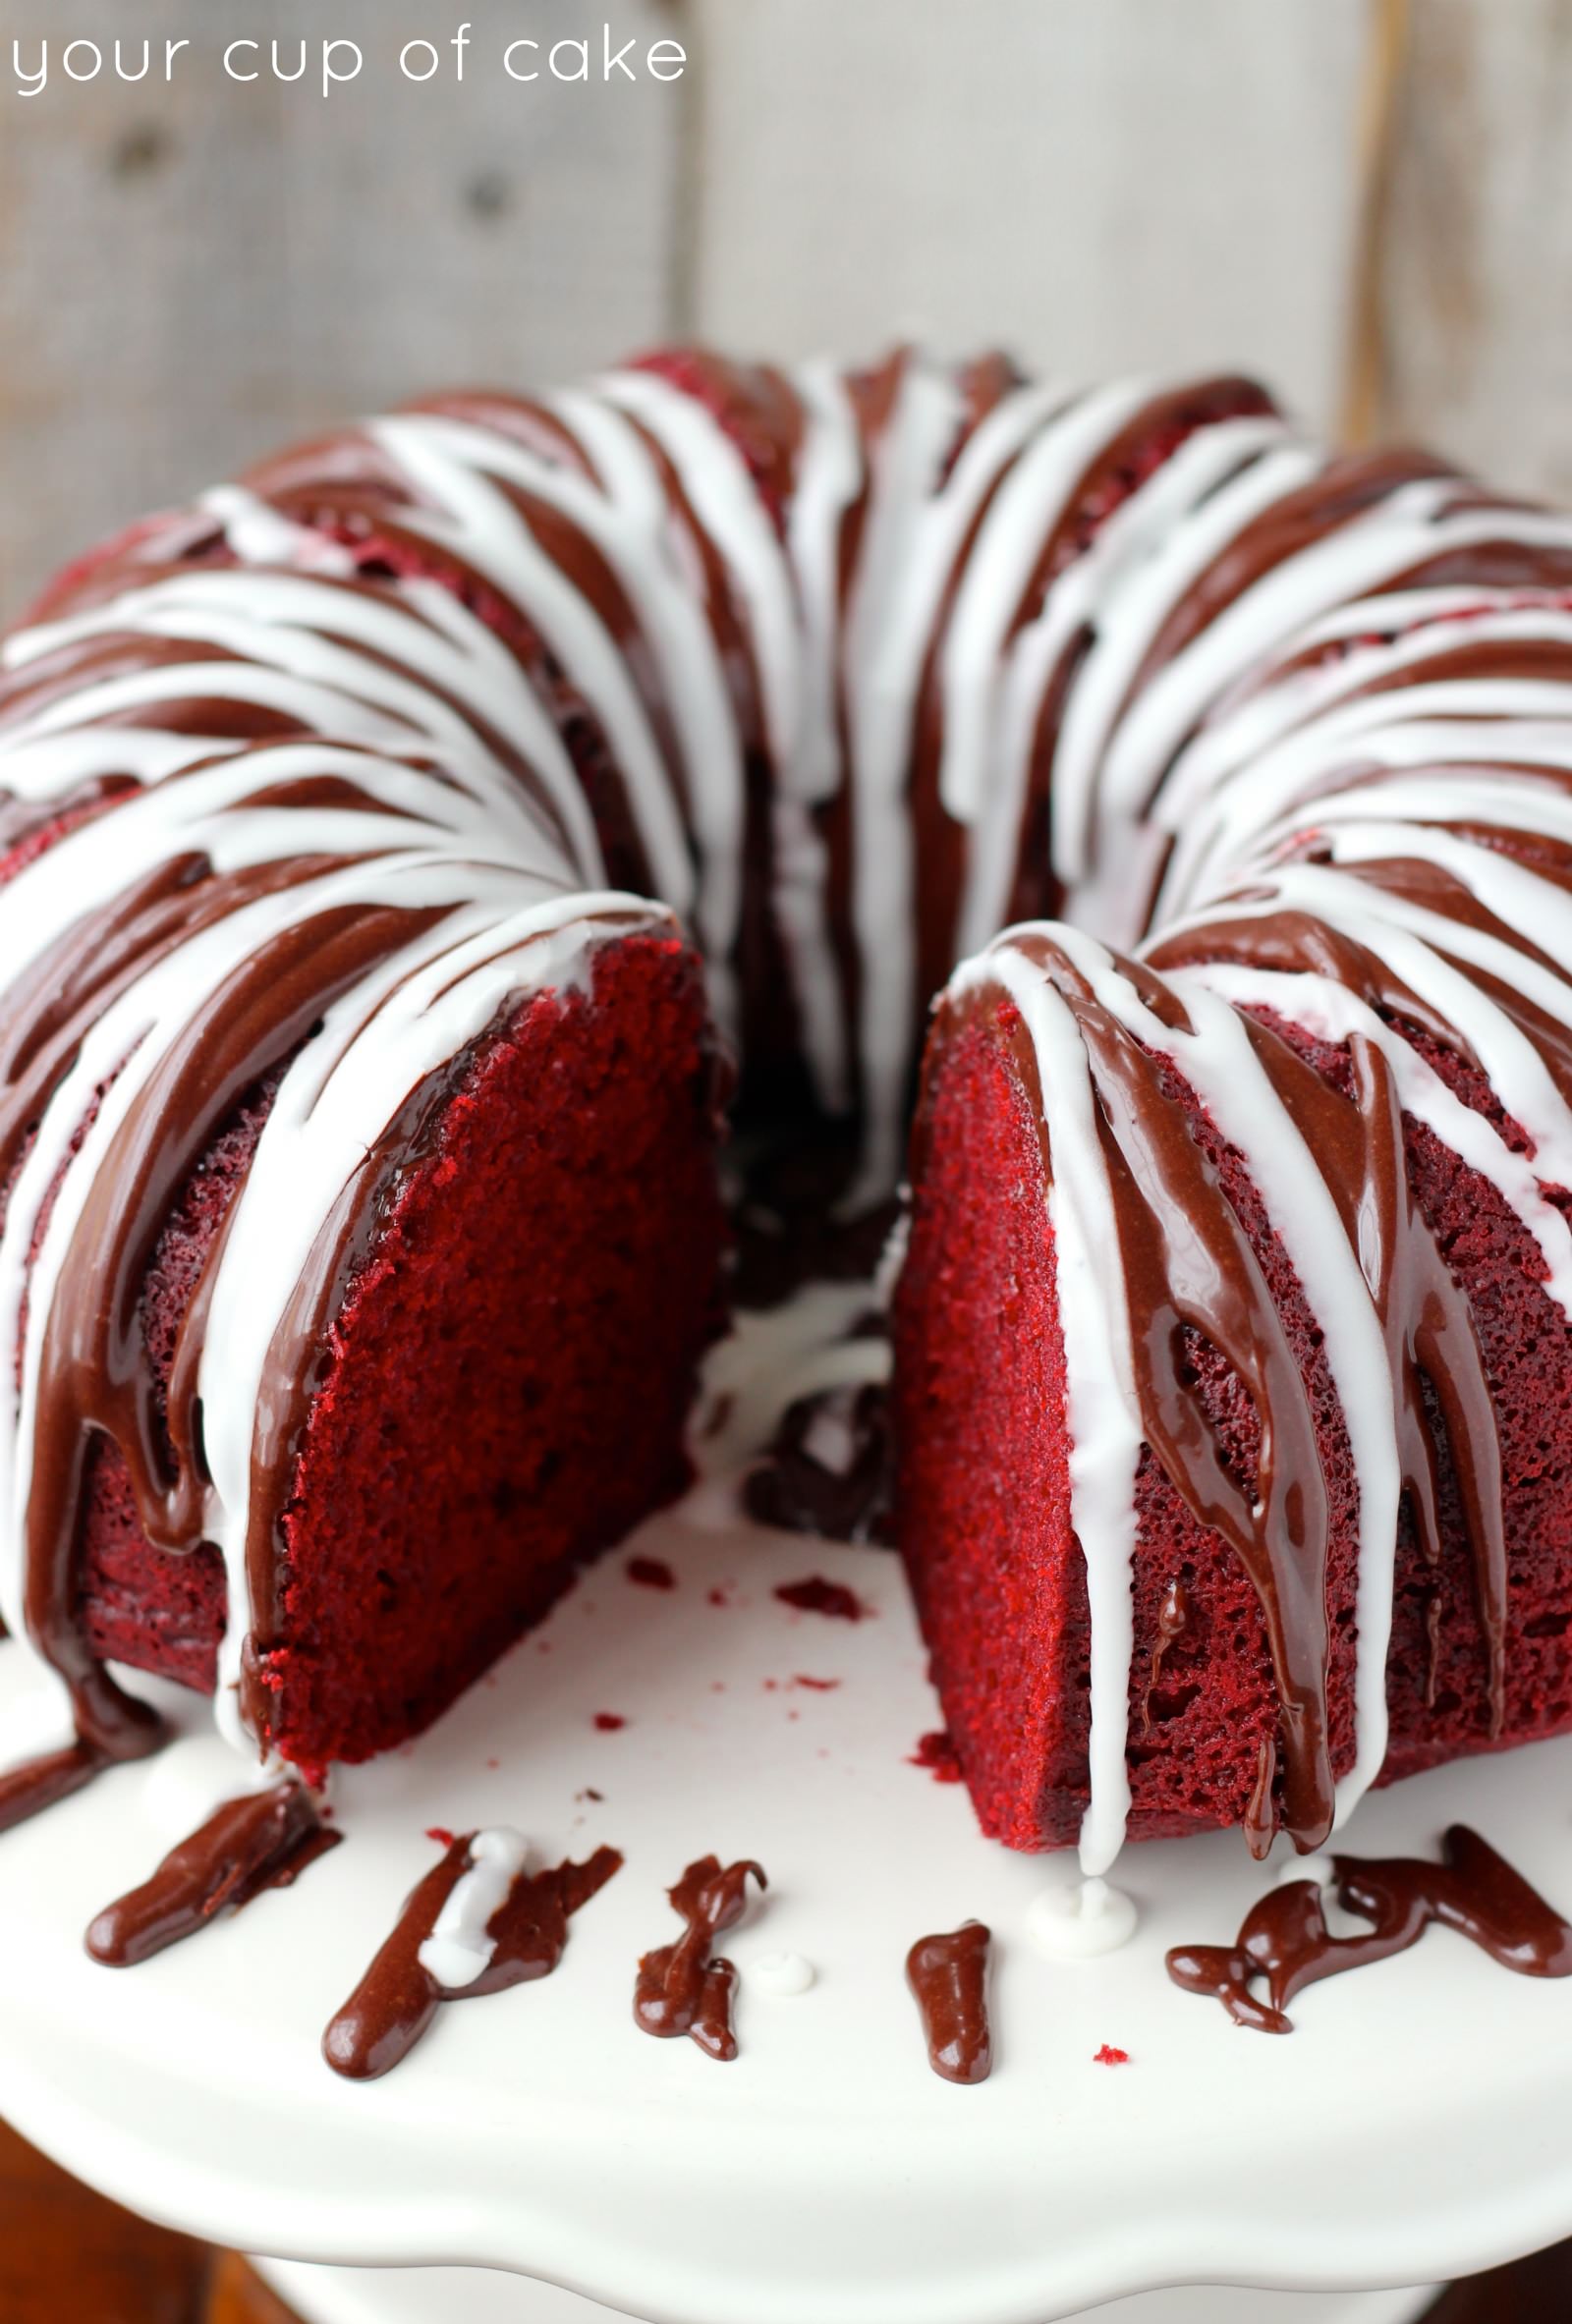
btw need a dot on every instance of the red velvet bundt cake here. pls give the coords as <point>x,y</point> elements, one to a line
<point>356,1133</point>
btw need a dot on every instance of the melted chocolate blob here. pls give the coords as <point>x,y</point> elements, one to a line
<point>263,1840</point>
<point>37,1784</point>
<point>1285,1944</point>
<point>398,1997</point>
<point>949,1976</point>
<point>681,1989</point>
<point>831,1469</point>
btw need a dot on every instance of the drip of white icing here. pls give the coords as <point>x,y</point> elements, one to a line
<point>1219,1061</point>
<point>458,1948</point>
<point>1102,1411</point>
<point>1081,1921</point>
<point>780,1975</point>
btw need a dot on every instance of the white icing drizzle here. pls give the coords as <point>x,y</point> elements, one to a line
<point>1220,1062</point>
<point>1081,1921</point>
<point>880,674</point>
<point>1103,1413</point>
<point>458,1948</point>
<point>780,1975</point>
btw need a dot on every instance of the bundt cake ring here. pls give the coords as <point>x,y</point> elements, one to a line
<point>360,1110</point>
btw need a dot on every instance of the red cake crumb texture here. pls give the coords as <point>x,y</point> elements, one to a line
<point>440,1834</point>
<point>816,1595</point>
<point>609,1722</point>
<point>539,1292</point>
<point>937,1753</point>
<point>651,1574</point>
<point>1109,2056</point>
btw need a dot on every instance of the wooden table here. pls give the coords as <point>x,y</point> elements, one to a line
<point>69,2257</point>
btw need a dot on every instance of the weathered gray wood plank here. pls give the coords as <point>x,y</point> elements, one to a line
<point>190,273</point>
<point>1130,183</point>
<point>1475,316</point>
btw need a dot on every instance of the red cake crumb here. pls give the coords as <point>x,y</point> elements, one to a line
<point>937,1753</point>
<point>816,1595</point>
<point>651,1572</point>
<point>608,1722</point>
<point>720,1595</point>
<point>819,1685</point>
<point>440,1834</point>
<point>1109,2056</point>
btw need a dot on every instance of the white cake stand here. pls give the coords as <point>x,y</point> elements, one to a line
<point>473,2296</point>
<point>1413,2128</point>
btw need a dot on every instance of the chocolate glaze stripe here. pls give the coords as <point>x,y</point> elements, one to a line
<point>1284,1943</point>
<point>398,1997</point>
<point>1230,1076</point>
<point>1331,1011</point>
<point>681,1989</point>
<point>333,657</point>
<point>1363,689</point>
<point>1422,522</point>
<point>27,1789</point>
<point>264,1841</point>
<point>948,1977</point>
<point>1085,602</point>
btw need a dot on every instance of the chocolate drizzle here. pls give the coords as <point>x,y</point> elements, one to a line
<point>681,1989</point>
<point>1284,1943</point>
<point>1190,1267</point>
<point>830,1471</point>
<point>396,2000</point>
<point>95,1376</point>
<point>36,1784</point>
<point>948,1976</point>
<point>263,1840</point>
<point>1356,1132</point>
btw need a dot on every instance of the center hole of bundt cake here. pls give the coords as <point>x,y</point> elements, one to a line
<point>511,1369</point>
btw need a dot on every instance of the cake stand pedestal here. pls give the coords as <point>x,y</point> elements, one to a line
<point>1412,2129</point>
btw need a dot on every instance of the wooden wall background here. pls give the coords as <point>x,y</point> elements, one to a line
<point>1368,200</point>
